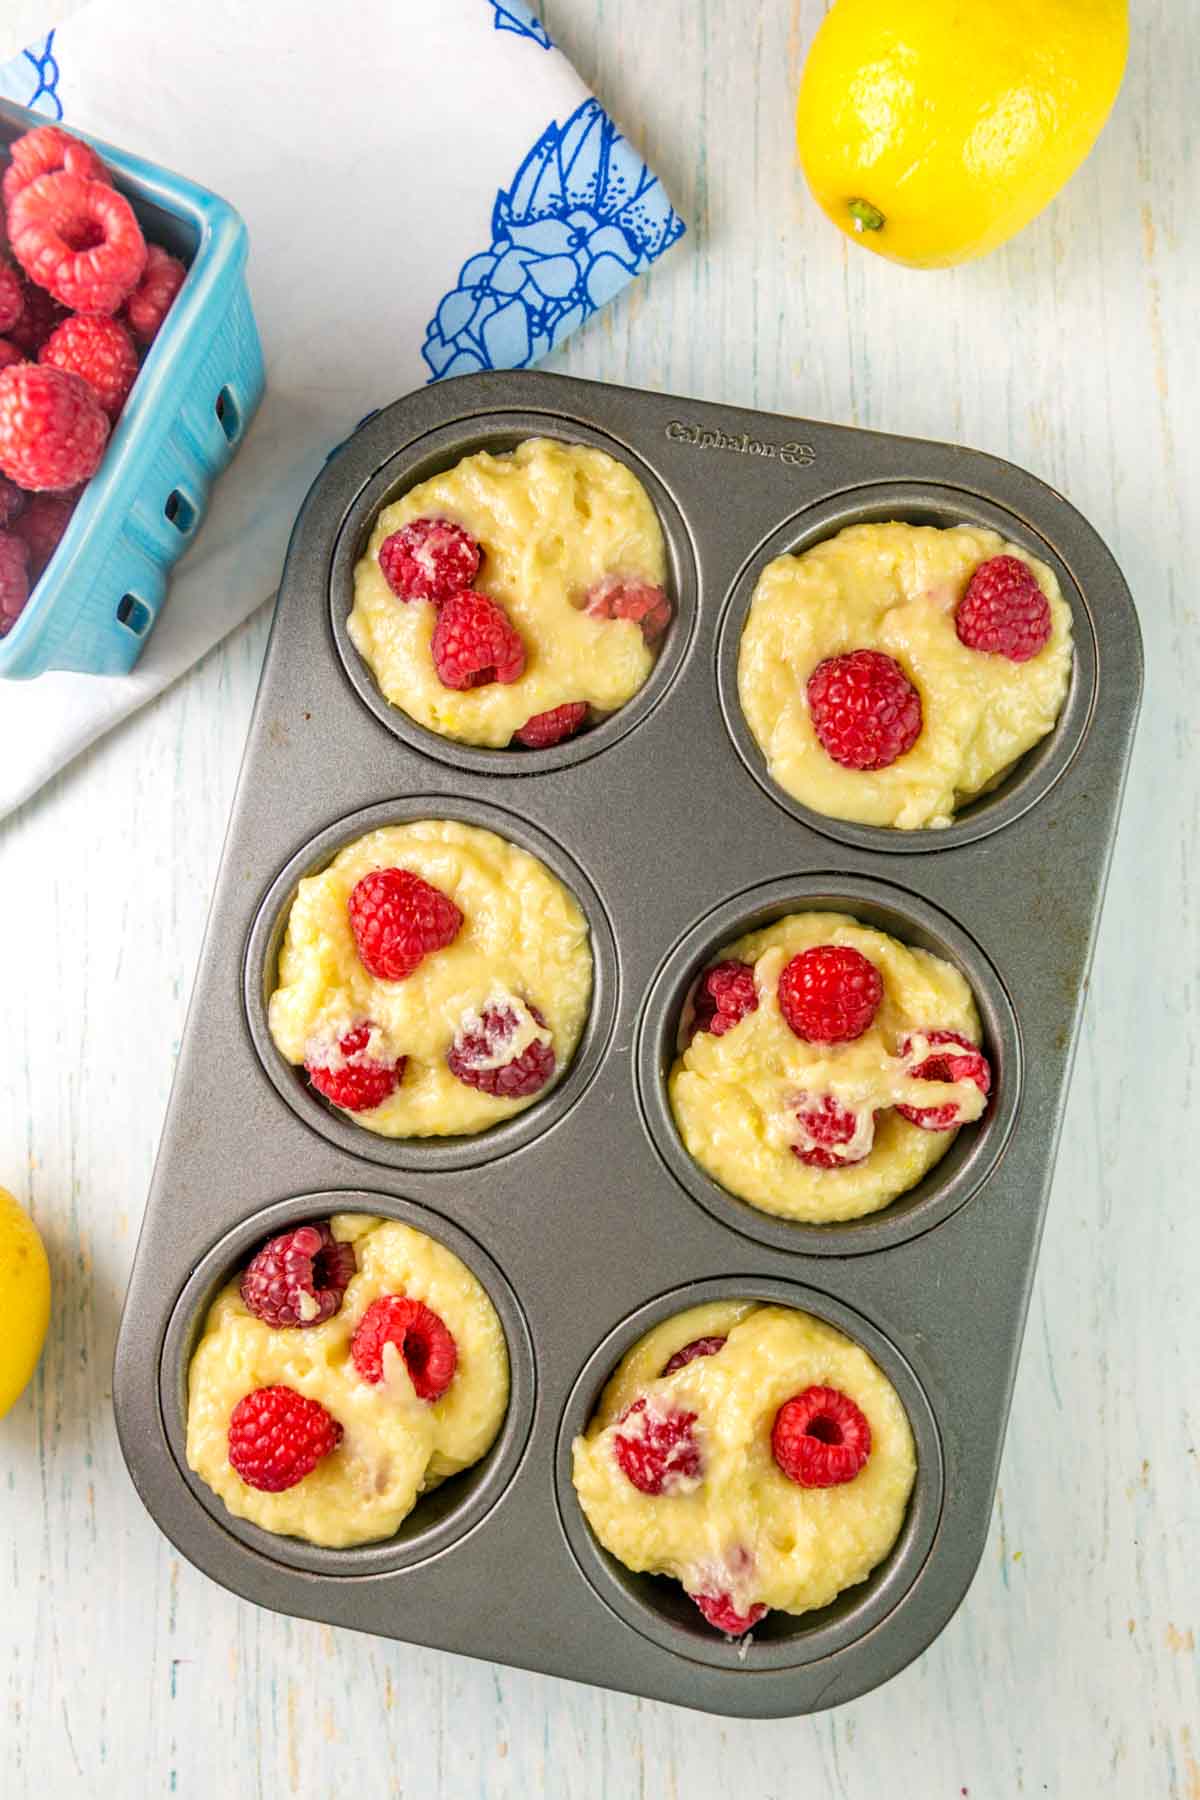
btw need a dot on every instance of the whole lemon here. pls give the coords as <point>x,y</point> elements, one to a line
<point>932,130</point>
<point>24,1298</point>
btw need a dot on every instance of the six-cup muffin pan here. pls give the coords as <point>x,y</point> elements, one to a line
<point>583,1216</point>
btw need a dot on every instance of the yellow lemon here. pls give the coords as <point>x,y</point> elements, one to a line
<point>24,1298</point>
<point>932,130</point>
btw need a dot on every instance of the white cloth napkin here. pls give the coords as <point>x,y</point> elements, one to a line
<point>429,190</point>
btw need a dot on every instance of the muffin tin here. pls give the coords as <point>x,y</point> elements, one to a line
<point>583,1216</point>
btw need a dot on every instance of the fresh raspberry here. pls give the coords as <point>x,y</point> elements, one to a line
<point>1004,611</point>
<point>44,151</point>
<point>277,1437</point>
<point>621,597</point>
<point>972,1065</point>
<point>299,1278</point>
<point>53,429</point>
<point>356,1083</point>
<point>552,727</point>
<point>78,238</point>
<point>415,1330</point>
<point>826,1128</point>
<point>152,298</point>
<point>13,501</point>
<point>398,919</point>
<point>9,354</point>
<point>41,524</point>
<point>472,1055</point>
<point>720,1612</point>
<point>820,1438</point>
<point>100,350</point>
<point>14,579</point>
<point>706,1346</point>
<point>864,709</point>
<point>475,641</point>
<point>659,1451</point>
<point>12,295</point>
<point>429,559</point>
<point>724,995</point>
<point>830,994</point>
<point>40,313</point>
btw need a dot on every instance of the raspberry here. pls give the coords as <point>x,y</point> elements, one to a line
<point>12,295</point>
<point>552,727</point>
<point>621,597</point>
<point>830,994</point>
<point>96,347</point>
<point>150,301</point>
<point>472,1055</point>
<point>720,1612</point>
<point>78,238</point>
<point>40,313</point>
<point>827,1127</point>
<point>864,709</point>
<point>9,354</point>
<point>820,1438</point>
<point>1004,611</point>
<point>299,1278</point>
<point>44,151</point>
<point>429,559</point>
<point>277,1437</point>
<point>659,1451</point>
<point>14,579</point>
<point>52,427</point>
<point>723,997</point>
<point>356,1084</point>
<point>398,919</point>
<point>42,523</point>
<point>415,1330</point>
<point>972,1065</point>
<point>707,1346</point>
<point>475,641</point>
<point>12,502</point>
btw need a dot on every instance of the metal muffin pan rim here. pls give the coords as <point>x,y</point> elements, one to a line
<point>1027,781</point>
<point>873,1599</point>
<point>942,1191</point>
<point>431,1155</point>
<point>483,1485</point>
<point>440,448</point>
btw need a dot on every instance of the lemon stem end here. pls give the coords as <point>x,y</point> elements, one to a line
<point>866,217</point>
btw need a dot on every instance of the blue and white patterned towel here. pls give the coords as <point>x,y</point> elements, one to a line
<point>429,189</point>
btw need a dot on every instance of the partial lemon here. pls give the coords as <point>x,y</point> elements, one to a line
<point>933,130</point>
<point>24,1298</point>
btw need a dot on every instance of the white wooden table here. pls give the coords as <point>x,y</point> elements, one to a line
<point>1071,1669</point>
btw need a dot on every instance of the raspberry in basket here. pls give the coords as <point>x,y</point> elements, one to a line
<point>53,428</point>
<point>42,522</point>
<point>80,239</point>
<point>98,348</point>
<point>13,501</point>
<point>40,314</point>
<point>478,1058</point>
<point>44,151</point>
<point>12,295</point>
<point>429,1351</point>
<point>14,579</point>
<point>152,298</point>
<point>9,354</point>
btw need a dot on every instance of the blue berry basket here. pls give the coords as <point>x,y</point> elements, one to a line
<point>196,392</point>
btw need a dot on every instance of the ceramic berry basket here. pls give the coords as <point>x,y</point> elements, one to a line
<point>583,1216</point>
<point>93,609</point>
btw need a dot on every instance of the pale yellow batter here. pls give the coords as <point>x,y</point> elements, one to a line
<point>895,588</point>
<point>395,1447</point>
<point>523,940</point>
<point>743,1528</point>
<point>552,519</point>
<point>734,1096</point>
